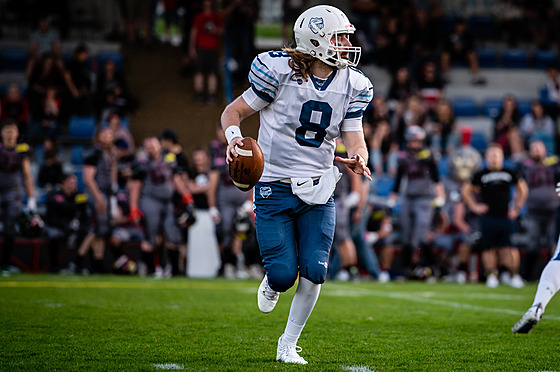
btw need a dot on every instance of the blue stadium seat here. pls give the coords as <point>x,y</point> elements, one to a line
<point>103,57</point>
<point>510,164</point>
<point>81,127</point>
<point>13,59</point>
<point>515,58</point>
<point>491,107</point>
<point>443,166</point>
<point>465,106</point>
<point>487,58</point>
<point>80,178</point>
<point>125,123</point>
<point>543,58</point>
<point>524,106</point>
<point>76,154</point>
<point>384,185</point>
<point>478,141</point>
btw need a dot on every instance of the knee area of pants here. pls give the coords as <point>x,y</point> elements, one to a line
<point>281,278</point>
<point>316,273</point>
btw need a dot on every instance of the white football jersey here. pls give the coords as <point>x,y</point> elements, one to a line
<point>300,120</point>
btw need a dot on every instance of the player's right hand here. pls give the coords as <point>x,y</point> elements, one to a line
<point>215,215</point>
<point>479,208</point>
<point>100,206</point>
<point>230,152</point>
<point>135,215</point>
<point>558,189</point>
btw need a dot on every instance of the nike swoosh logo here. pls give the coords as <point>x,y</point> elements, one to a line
<point>302,183</point>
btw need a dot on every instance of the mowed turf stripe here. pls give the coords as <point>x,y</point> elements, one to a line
<point>125,285</point>
<point>413,297</point>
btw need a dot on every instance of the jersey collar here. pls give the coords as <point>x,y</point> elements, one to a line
<point>326,83</point>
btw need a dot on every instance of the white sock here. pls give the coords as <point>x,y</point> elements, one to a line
<point>303,303</point>
<point>549,283</point>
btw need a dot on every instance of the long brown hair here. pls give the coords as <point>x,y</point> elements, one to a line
<point>300,63</point>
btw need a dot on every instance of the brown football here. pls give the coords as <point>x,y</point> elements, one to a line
<point>246,169</point>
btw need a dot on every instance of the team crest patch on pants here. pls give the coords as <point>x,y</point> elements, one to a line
<point>265,191</point>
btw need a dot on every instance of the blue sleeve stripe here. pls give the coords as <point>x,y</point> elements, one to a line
<point>263,71</point>
<point>263,88</point>
<point>255,75</point>
<point>359,107</point>
<point>368,94</point>
<point>261,95</point>
<point>263,74</point>
<point>355,114</point>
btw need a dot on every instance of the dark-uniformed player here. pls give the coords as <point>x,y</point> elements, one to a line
<point>65,210</point>
<point>154,180</point>
<point>541,174</point>
<point>14,166</point>
<point>422,193</point>
<point>494,184</point>
<point>100,178</point>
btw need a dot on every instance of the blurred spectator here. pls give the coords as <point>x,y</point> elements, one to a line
<point>50,171</point>
<point>538,125</point>
<point>50,115</point>
<point>15,106</point>
<point>120,132</point>
<point>171,33</point>
<point>125,159</point>
<point>509,15</point>
<point>111,91</point>
<point>137,20</point>
<point>199,182</point>
<point>494,185</point>
<point>346,197</point>
<point>423,192</point>
<point>100,173</point>
<point>291,9</point>
<point>393,43</point>
<point>124,231</point>
<point>62,205</point>
<point>424,37</point>
<point>79,78</point>
<point>415,112</point>
<point>170,143</point>
<point>378,235</point>
<point>402,87</point>
<point>47,73</point>
<point>541,19</point>
<point>442,127</point>
<point>225,199</point>
<point>430,83</point>
<point>464,161</point>
<point>459,47</point>
<point>44,40</point>
<point>383,148</point>
<point>541,172</point>
<point>240,17</point>
<point>204,49</point>
<point>552,86</point>
<point>506,129</point>
<point>365,16</point>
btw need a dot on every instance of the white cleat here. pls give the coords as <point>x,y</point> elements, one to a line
<point>289,354</point>
<point>266,297</point>
<point>529,320</point>
<point>384,277</point>
<point>492,281</point>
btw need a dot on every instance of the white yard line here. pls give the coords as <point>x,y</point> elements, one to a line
<point>427,300</point>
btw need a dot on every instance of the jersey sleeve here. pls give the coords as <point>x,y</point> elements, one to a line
<point>263,80</point>
<point>92,156</point>
<point>362,95</point>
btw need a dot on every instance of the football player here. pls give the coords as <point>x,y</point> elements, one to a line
<point>549,284</point>
<point>422,193</point>
<point>154,180</point>
<point>14,165</point>
<point>306,97</point>
<point>494,185</point>
<point>100,176</point>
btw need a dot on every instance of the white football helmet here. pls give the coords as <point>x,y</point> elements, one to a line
<point>314,29</point>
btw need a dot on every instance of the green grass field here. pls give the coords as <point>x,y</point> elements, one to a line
<point>121,323</point>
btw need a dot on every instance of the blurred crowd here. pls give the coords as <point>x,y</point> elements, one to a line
<point>137,208</point>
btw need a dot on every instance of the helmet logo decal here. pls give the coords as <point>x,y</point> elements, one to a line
<point>315,43</point>
<point>316,24</point>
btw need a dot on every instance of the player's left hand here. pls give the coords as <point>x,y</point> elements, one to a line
<point>356,163</point>
<point>32,204</point>
<point>230,152</point>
